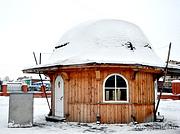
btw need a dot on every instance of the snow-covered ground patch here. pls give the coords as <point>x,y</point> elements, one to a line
<point>170,109</point>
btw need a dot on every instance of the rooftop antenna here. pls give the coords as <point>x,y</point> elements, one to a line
<point>62,45</point>
<point>42,83</point>
<point>35,58</point>
<point>164,78</point>
<point>39,58</point>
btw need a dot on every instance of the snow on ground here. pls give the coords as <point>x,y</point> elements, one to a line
<point>170,109</point>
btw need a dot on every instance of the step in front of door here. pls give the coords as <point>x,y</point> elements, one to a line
<point>55,119</point>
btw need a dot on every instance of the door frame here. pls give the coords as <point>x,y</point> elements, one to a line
<point>61,97</point>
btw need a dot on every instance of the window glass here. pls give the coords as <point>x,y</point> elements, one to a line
<point>120,82</point>
<point>110,94</point>
<point>118,94</point>
<point>124,94</point>
<point>110,82</point>
<point>121,94</point>
<point>115,89</point>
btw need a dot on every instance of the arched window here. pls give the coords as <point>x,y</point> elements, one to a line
<point>115,89</point>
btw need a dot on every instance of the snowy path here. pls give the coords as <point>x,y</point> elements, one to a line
<point>170,109</point>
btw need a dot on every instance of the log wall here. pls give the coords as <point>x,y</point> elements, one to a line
<point>83,96</point>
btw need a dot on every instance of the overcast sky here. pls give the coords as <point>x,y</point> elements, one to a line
<point>37,25</point>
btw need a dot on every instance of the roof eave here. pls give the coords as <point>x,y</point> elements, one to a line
<point>53,68</point>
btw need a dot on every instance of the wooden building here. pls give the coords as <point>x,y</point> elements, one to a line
<point>103,71</point>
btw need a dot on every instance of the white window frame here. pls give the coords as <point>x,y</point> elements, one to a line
<point>127,89</point>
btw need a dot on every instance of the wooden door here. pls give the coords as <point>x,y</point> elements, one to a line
<point>59,97</point>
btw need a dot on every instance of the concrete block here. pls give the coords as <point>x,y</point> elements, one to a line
<point>20,110</point>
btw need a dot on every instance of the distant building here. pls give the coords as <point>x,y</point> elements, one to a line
<point>172,78</point>
<point>26,85</point>
<point>34,83</point>
<point>0,86</point>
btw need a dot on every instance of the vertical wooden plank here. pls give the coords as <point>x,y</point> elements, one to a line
<point>101,113</point>
<point>92,113</point>
<point>79,88</point>
<point>115,114</point>
<point>130,112</point>
<point>138,113</point>
<point>143,88</point>
<point>111,113</point>
<point>72,93</point>
<point>83,96</point>
<point>83,87</point>
<point>68,97</point>
<point>137,88</point>
<point>90,87</point>
<point>75,111</point>
<point>152,89</point>
<point>94,99</point>
<point>113,108</point>
<point>107,113</point>
<point>72,83</point>
<point>86,87</point>
<point>82,112</point>
<point>72,112</point>
<point>75,97</point>
<point>104,113</point>
<point>85,113</point>
<point>131,90</point>
<point>88,112</point>
<point>148,88</point>
<point>79,112</point>
<point>126,113</point>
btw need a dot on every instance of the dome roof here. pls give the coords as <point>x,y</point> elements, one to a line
<point>105,41</point>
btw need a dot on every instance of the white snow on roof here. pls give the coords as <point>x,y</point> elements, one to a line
<point>105,41</point>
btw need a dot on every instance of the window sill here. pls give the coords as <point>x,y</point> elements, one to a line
<point>114,102</point>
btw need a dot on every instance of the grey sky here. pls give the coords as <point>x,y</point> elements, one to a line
<point>37,25</point>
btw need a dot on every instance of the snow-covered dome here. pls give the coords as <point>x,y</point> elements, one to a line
<point>105,41</point>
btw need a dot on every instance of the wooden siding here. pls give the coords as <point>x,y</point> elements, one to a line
<point>83,96</point>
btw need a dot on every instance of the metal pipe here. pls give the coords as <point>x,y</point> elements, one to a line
<point>42,83</point>
<point>165,74</point>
